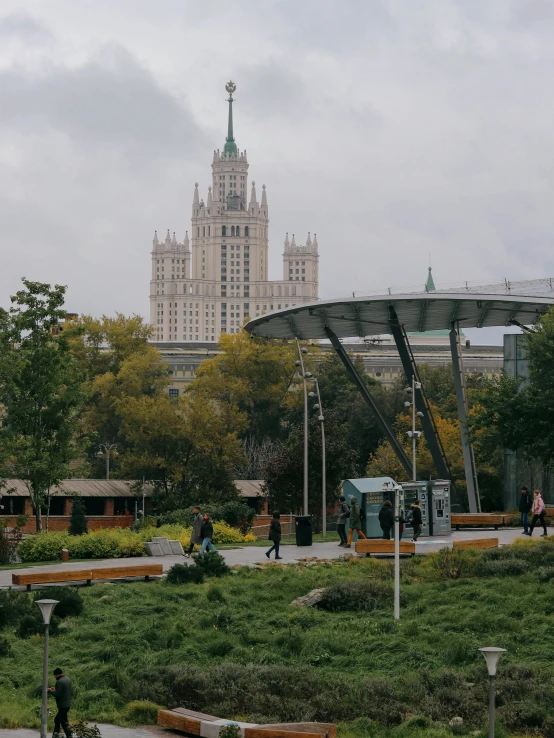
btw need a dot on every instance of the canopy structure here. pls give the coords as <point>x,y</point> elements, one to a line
<point>399,315</point>
<point>427,311</point>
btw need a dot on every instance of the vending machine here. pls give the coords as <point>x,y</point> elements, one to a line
<point>416,492</point>
<point>439,507</point>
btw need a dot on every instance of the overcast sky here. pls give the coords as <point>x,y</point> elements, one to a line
<point>392,129</point>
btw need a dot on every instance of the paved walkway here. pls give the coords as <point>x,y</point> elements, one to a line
<point>251,555</point>
<point>108,731</point>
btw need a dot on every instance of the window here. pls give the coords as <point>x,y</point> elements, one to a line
<point>246,231</point>
<point>223,231</point>
<point>232,230</point>
<point>174,393</point>
<point>238,231</point>
<point>94,505</point>
<point>124,505</point>
<point>198,231</point>
<point>13,505</point>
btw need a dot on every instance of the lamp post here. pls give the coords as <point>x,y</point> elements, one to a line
<point>46,608</point>
<point>321,418</point>
<point>414,434</point>
<point>305,375</point>
<point>492,655</point>
<point>388,486</point>
<point>105,450</point>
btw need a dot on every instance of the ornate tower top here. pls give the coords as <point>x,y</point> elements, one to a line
<point>230,147</point>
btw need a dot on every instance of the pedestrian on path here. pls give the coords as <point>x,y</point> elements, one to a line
<point>525,505</point>
<point>539,512</point>
<point>196,533</point>
<point>62,693</point>
<point>386,519</point>
<point>417,520</point>
<point>344,514</point>
<point>207,533</point>
<point>275,535</point>
<point>355,522</point>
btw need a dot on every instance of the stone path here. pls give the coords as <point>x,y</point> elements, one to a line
<point>251,555</point>
<point>108,731</point>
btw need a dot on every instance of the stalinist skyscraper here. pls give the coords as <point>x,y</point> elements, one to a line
<point>208,283</point>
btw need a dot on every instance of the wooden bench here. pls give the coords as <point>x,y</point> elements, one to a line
<point>477,543</point>
<point>198,723</point>
<point>86,575</point>
<point>487,520</point>
<point>381,546</point>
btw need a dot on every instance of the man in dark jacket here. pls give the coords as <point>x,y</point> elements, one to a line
<point>386,519</point>
<point>525,505</point>
<point>417,520</point>
<point>62,693</point>
<point>275,535</point>
<point>344,514</point>
<point>207,533</point>
<point>196,533</point>
<point>355,522</point>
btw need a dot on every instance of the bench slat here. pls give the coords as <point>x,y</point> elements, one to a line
<point>171,719</point>
<point>42,577</point>
<point>383,546</point>
<point>327,730</point>
<point>478,519</point>
<point>128,571</point>
<point>477,543</point>
<point>260,732</point>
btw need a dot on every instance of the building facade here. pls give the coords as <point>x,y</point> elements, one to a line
<point>218,276</point>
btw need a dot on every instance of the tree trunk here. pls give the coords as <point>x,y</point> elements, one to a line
<point>38,519</point>
<point>48,509</point>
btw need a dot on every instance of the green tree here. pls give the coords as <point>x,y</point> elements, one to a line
<point>285,470</point>
<point>78,518</point>
<point>40,392</point>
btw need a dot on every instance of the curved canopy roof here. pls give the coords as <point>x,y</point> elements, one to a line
<point>427,311</point>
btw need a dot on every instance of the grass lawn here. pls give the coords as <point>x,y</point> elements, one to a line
<point>331,537</point>
<point>236,647</point>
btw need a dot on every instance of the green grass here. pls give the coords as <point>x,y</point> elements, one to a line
<point>36,563</point>
<point>331,537</point>
<point>237,648</point>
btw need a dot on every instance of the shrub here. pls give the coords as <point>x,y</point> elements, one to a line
<point>81,730</point>
<point>356,595</point>
<point>10,540</point>
<point>13,606</point>
<point>142,712</point>
<point>212,564</point>
<point>32,624</point>
<point>235,514</point>
<point>231,730</point>
<point>545,573</point>
<point>43,546</point>
<point>183,574</point>
<point>78,520</point>
<point>4,647</point>
<point>506,568</point>
<point>70,602</point>
<point>450,563</point>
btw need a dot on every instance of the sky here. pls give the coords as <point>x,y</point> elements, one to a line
<point>400,132</point>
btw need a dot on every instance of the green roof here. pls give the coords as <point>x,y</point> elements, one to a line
<point>430,285</point>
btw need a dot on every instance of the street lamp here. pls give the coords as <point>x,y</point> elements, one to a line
<point>300,363</point>
<point>492,656</point>
<point>413,434</point>
<point>321,418</point>
<point>46,608</point>
<point>105,450</point>
<point>387,487</point>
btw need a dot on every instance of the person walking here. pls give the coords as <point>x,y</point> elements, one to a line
<point>344,514</point>
<point>207,533</point>
<point>525,505</point>
<point>355,522</point>
<point>62,693</point>
<point>196,533</point>
<point>386,519</point>
<point>539,512</point>
<point>401,524</point>
<point>275,535</point>
<point>417,520</point>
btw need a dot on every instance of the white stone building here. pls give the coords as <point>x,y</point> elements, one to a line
<point>211,281</point>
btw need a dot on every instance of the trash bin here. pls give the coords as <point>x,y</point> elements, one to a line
<point>65,554</point>
<point>303,524</point>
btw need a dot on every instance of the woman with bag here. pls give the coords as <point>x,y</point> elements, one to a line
<point>275,535</point>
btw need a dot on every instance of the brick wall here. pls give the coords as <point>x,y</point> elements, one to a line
<point>61,522</point>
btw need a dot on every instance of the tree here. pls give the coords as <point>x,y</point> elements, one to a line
<point>284,471</point>
<point>40,392</point>
<point>78,519</point>
<point>190,447</point>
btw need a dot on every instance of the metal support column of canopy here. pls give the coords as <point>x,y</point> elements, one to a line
<point>473,500</point>
<point>427,421</point>
<point>385,427</point>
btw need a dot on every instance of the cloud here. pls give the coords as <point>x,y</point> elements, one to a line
<point>25,28</point>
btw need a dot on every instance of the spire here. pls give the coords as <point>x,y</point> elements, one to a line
<point>293,242</point>
<point>315,242</point>
<point>174,240</point>
<point>264,197</point>
<point>430,284</point>
<point>168,237</point>
<point>230,145</point>
<point>196,199</point>
<point>186,242</point>
<point>155,240</point>
<point>253,196</point>
<point>209,197</point>
<point>309,241</point>
<point>287,242</point>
